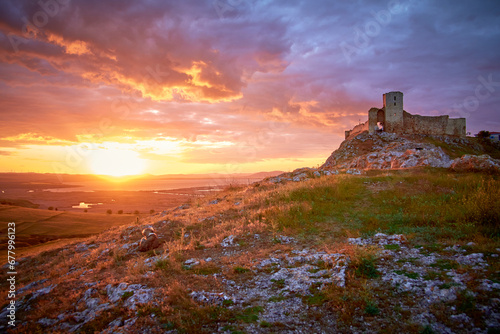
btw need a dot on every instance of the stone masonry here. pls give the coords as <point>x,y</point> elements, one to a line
<point>392,118</point>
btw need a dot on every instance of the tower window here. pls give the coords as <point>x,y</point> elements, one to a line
<point>394,98</point>
<point>394,103</point>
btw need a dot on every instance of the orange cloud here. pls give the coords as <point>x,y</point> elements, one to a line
<point>71,47</point>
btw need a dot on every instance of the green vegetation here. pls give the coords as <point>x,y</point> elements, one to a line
<point>279,284</point>
<point>430,204</point>
<point>240,270</point>
<point>250,314</point>
<point>445,264</point>
<point>127,295</point>
<point>407,274</point>
<point>432,208</point>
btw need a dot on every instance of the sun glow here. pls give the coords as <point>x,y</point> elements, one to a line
<point>116,163</point>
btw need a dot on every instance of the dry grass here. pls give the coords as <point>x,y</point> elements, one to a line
<point>428,206</point>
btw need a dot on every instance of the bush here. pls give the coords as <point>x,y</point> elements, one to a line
<point>483,134</point>
<point>109,211</point>
<point>136,212</point>
<point>367,268</point>
<point>51,208</point>
<point>151,211</point>
<point>120,212</point>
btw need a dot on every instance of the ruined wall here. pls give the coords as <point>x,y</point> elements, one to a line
<point>456,127</point>
<point>357,130</point>
<point>373,119</point>
<point>427,125</point>
<point>433,125</point>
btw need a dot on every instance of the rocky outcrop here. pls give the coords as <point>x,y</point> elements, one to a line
<point>149,241</point>
<point>474,162</point>
<point>391,151</point>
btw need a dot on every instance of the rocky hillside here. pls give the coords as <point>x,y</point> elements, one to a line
<point>391,151</point>
<point>314,251</point>
<point>385,151</point>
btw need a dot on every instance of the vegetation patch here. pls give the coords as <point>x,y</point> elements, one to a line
<point>240,270</point>
<point>250,314</point>
<point>411,275</point>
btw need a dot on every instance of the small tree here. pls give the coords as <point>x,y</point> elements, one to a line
<point>136,212</point>
<point>120,212</point>
<point>109,211</point>
<point>51,208</point>
<point>483,134</point>
<point>151,211</point>
<point>85,210</point>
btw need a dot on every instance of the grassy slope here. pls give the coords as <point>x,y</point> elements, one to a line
<point>34,226</point>
<point>430,206</point>
<point>43,222</point>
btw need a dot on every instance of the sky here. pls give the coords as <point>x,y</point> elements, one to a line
<point>229,86</point>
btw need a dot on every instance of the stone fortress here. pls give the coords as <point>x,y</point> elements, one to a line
<point>392,118</point>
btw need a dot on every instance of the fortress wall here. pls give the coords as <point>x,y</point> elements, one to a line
<point>428,125</point>
<point>357,130</point>
<point>456,127</point>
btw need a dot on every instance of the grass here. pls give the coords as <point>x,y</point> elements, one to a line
<point>250,314</point>
<point>240,270</point>
<point>411,275</point>
<point>445,264</point>
<point>433,208</point>
<point>364,262</point>
<point>279,284</point>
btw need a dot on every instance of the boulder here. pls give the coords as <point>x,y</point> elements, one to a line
<point>149,241</point>
<point>475,162</point>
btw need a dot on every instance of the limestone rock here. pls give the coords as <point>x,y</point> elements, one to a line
<point>149,241</point>
<point>474,162</point>
<point>229,241</point>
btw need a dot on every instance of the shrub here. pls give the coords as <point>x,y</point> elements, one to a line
<point>109,211</point>
<point>483,134</point>
<point>151,211</point>
<point>51,208</point>
<point>136,212</point>
<point>366,267</point>
<point>120,212</point>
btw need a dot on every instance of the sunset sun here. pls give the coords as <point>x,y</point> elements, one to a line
<point>116,163</point>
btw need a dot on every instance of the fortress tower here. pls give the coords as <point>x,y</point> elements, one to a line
<point>393,106</point>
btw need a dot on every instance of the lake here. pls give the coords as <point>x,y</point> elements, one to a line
<point>151,185</point>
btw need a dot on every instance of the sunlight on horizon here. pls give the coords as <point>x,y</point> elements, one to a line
<point>117,163</point>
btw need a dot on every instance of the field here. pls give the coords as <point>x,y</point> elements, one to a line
<point>440,274</point>
<point>49,217</point>
<point>35,226</point>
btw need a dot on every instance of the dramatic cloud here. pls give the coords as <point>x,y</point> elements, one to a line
<point>235,81</point>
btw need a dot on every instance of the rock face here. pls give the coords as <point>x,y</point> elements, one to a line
<point>149,241</point>
<point>388,151</point>
<point>474,162</point>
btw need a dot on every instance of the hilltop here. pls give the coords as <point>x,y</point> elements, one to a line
<point>339,248</point>
<point>391,151</point>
